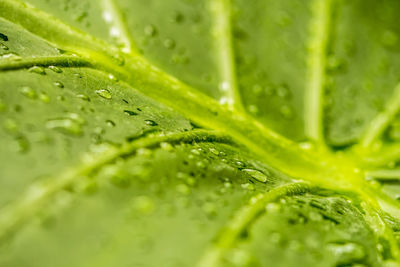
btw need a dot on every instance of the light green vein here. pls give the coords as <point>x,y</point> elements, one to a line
<point>380,123</point>
<point>381,157</point>
<point>118,28</point>
<point>16,214</point>
<point>222,35</point>
<point>320,28</point>
<point>61,61</point>
<point>244,218</point>
<point>385,175</point>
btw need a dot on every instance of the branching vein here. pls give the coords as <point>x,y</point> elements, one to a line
<point>222,35</point>
<point>380,123</point>
<point>118,28</point>
<point>320,27</point>
<point>13,216</point>
<point>243,218</point>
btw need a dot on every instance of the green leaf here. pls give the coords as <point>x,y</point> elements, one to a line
<point>199,133</point>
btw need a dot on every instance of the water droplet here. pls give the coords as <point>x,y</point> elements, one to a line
<point>28,92</point>
<point>38,70</point>
<point>112,78</point>
<point>3,46</point>
<point>240,164</point>
<point>283,91</point>
<point>226,101</point>
<point>334,63</point>
<point>286,112</point>
<point>201,164</point>
<point>10,126</point>
<point>177,17</point>
<point>248,186</point>
<point>105,93</point>
<point>110,123</point>
<point>253,109</point>
<point>59,84</point>
<point>83,97</point>
<point>11,55</point>
<point>44,97</point>
<point>150,30</point>
<point>3,37</point>
<point>22,144</point>
<point>306,145</point>
<point>214,151</point>
<point>151,122</point>
<point>55,69</point>
<point>347,252</point>
<point>130,113</point>
<point>169,43</point>
<point>166,146</point>
<point>71,124</point>
<point>259,176</point>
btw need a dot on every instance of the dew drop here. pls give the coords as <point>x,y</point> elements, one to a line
<point>112,78</point>
<point>3,37</point>
<point>166,146</point>
<point>177,17</point>
<point>10,126</point>
<point>283,91</point>
<point>28,92</point>
<point>248,186</point>
<point>3,46</point>
<point>83,97</point>
<point>130,113</point>
<point>259,176</point>
<point>151,122</point>
<point>22,144</point>
<point>150,30</point>
<point>37,70</point>
<point>104,93</point>
<point>70,124</point>
<point>55,69</point>
<point>347,252</point>
<point>214,151</point>
<point>253,109</point>
<point>169,43</point>
<point>110,123</point>
<point>44,97</point>
<point>10,55</point>
<point>59,84</point>
<point>286,112</point>
<point>240,164</point>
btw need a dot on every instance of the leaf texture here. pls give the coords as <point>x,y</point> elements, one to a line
<point>199,133</point>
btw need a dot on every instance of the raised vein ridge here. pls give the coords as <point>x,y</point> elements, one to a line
<point>222,35</point>
<point>320,28</point>
<point>118,28</point>
<point>13,216</point>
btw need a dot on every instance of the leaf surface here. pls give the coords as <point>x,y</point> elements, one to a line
<point>199,133</point>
